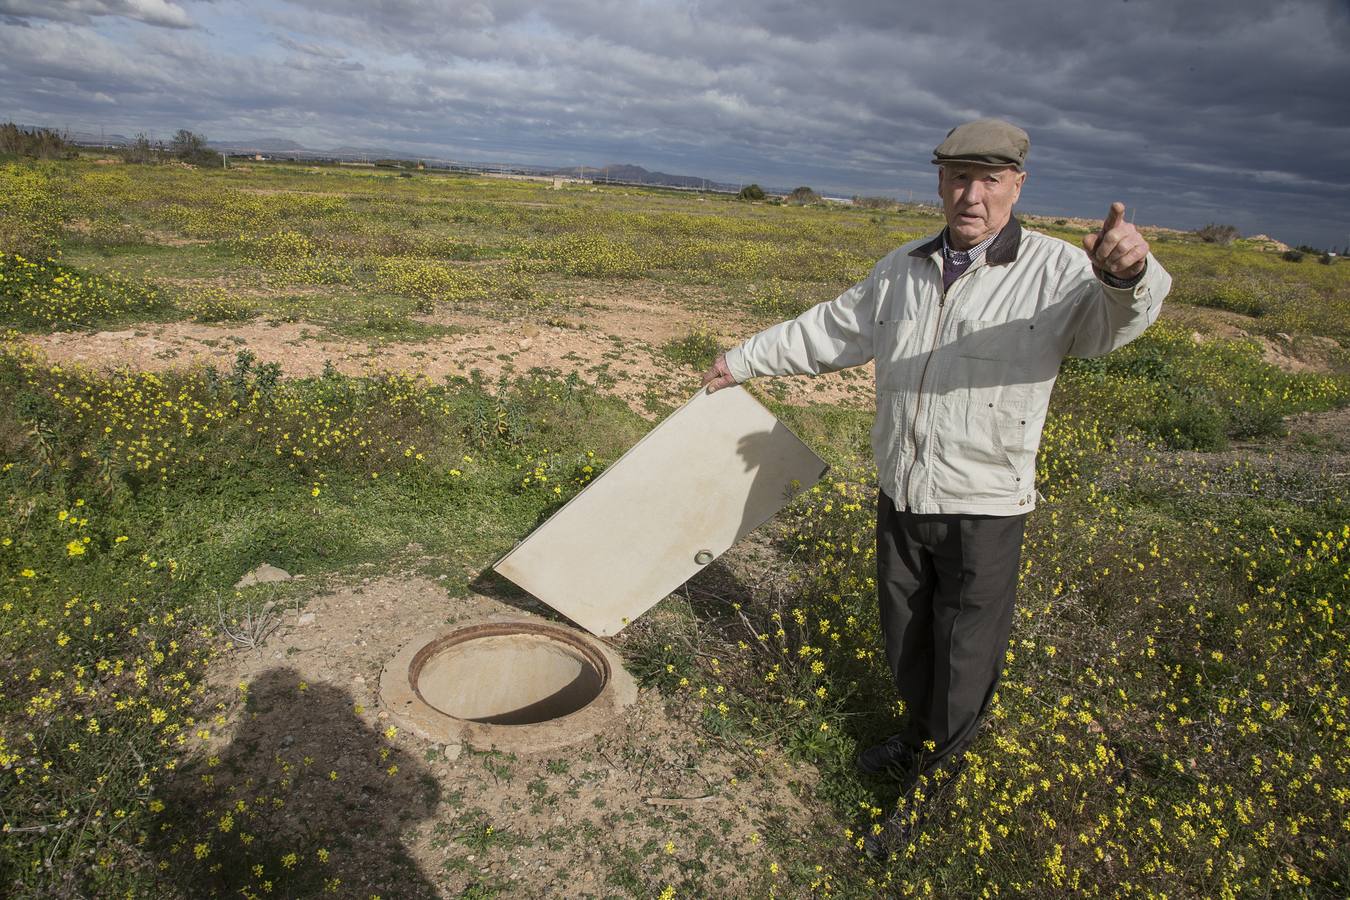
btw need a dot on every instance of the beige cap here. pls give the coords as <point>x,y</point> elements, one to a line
<point>986,142</point>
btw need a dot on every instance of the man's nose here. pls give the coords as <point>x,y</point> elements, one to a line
<point>974,192</point>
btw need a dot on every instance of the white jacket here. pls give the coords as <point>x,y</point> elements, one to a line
<point>963,380</point>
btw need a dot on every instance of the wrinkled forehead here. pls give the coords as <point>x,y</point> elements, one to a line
<point>976,170</point>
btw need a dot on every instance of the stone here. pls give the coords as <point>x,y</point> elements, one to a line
<point>263,574</point>
<point>305,619</point>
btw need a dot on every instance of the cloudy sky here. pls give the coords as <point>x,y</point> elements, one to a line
<point>1228,111</point>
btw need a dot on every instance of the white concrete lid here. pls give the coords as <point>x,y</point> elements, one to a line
<point>714,470</point>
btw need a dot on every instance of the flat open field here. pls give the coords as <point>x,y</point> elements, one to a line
<point>380,381</point>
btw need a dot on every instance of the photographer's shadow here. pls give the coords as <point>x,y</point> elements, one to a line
<point>305,799</point>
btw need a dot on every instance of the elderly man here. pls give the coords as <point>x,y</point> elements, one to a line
<point>968,329</point>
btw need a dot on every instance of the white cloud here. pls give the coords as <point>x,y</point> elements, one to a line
<point>152,12</point>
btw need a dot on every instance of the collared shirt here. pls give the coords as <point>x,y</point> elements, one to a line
<point>970,255</point>
<point>954,261</point>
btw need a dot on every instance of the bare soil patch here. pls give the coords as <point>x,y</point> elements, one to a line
<point>1292,353</point>
<point>614,343</point>
<point>646,803</point>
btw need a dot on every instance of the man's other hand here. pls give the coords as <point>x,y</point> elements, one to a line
<point>1118,249</point>
<point>719,376</point>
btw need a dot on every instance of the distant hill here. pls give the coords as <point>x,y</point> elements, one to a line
<point>621,173</point>
<point>627,173</point>
<point>261,145</point>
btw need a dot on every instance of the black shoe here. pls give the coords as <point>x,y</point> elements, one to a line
<point>900,828</point>
<point>891,757</point>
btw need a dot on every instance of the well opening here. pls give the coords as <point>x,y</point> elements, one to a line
<point>508,673</point>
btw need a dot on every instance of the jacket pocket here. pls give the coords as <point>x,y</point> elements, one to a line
<point>1011,433</point>
<point>971,459</point>
<point>897,355</point>
<point>989,361</point>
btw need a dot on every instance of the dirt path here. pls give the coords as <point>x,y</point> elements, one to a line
<point>613,342</point>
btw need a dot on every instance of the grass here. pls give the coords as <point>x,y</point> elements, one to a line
<point>1173,715</point>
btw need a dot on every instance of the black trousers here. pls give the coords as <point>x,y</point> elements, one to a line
<point>945,586</point>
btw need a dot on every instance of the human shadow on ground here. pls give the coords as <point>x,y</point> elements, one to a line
<point>306,799</point>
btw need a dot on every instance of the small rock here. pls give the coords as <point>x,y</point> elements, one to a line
<point>305,619</point>
<point>452,751</point>
<point>263,574</point>
<point>1284,337</point>
<point>525,344</point>
<point>358,680</point>
<point>114,335</point>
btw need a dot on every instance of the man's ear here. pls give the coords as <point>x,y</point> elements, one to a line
<point>942,170</point>
<point>1017,185</point>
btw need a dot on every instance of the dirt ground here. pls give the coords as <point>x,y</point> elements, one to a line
<point>649,801</point>
<point>621,354</point>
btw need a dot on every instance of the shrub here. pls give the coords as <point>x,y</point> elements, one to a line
<point>212,304</point>
<point>593,256</point>
<point>48,293</point>
<point>803,195</point>
<point>291,257</point>
<point>1189,424</point>
<point>698,349</point>
<point>885,203</point>
<point>751,192</point>
<point>1292,256</point>
<point>1218,234</point>
<point>31,212</point>
<point>430,281</point>
<point>42,143</point>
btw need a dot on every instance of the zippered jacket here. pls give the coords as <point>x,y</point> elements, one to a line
<point>963,377</point>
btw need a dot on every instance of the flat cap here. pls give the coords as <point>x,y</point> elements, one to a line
<point>986,142</point>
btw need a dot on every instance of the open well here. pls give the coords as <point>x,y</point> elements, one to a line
<point>521,684</point>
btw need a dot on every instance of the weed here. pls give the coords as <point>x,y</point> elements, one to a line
<point>697,349</point>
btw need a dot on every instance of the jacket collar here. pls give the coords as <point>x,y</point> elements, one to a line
<point>1000,253</point>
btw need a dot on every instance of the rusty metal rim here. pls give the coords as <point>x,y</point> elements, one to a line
<point>589,656</point>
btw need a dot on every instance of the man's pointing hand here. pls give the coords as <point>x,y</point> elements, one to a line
<point>1118,249</point>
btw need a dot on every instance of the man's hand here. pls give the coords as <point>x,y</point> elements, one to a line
<point>719,376</point>
<point>1118,249</point>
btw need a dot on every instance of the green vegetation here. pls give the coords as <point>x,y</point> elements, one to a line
<point>1173,720</point>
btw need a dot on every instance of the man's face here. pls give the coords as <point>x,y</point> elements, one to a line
<point>977,200</point>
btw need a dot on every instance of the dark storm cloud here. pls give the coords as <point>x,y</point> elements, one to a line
<point>1197,111</point>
